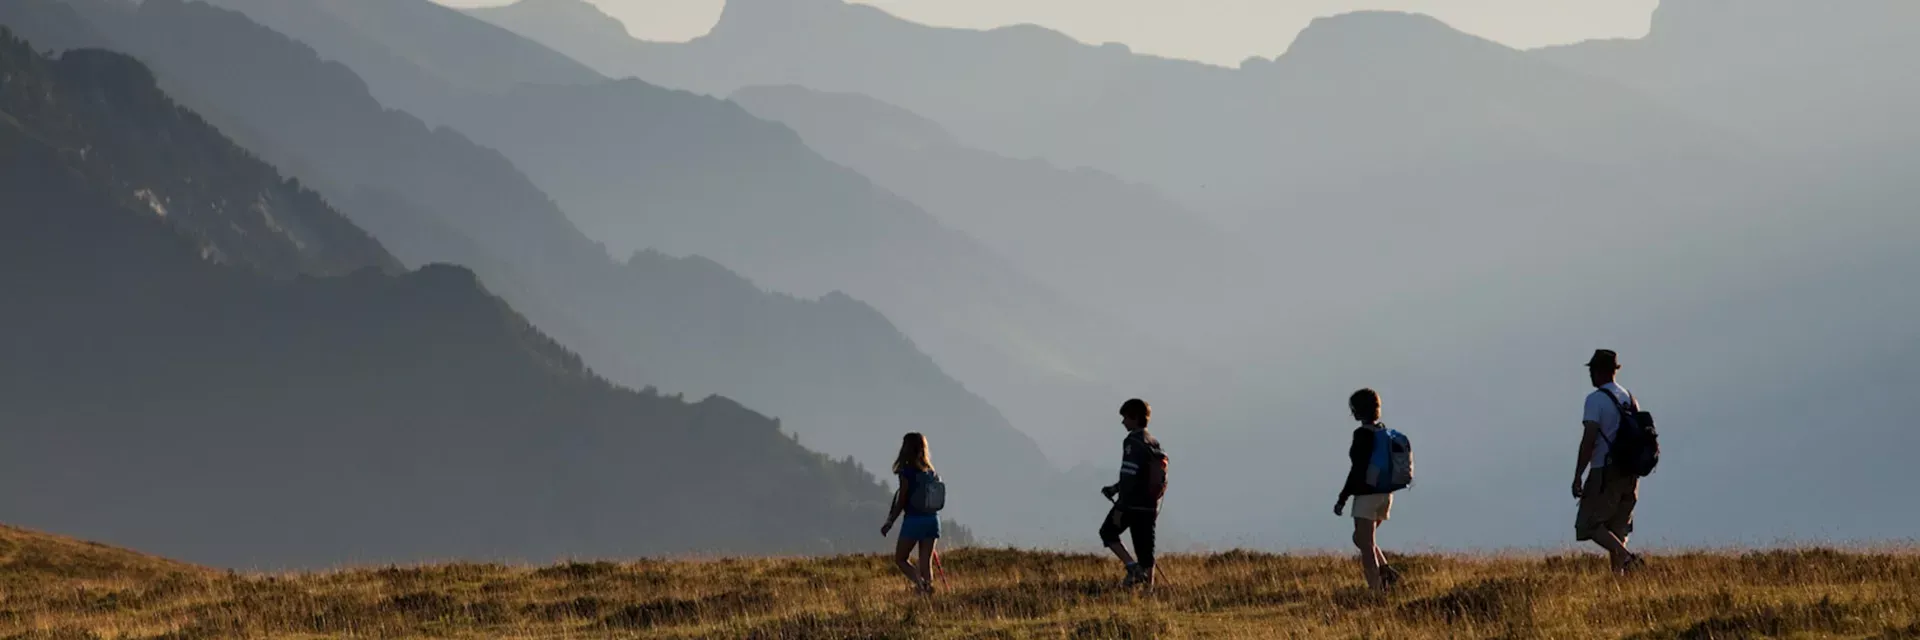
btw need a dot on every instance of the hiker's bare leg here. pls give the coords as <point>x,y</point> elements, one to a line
<point>900,553</point>
<point>1110,531</point>
<point>1120,550</point>
<point>1379,554</point>
<point>1617,552</point>
<point>1370,556</point>
<point>926,559</point>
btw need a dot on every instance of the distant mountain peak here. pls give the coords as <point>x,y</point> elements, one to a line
<point>1042,33</point>
<point>1383,36</point>
<point>577,13</point>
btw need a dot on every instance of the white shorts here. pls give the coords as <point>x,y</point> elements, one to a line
<point>1373,507</point>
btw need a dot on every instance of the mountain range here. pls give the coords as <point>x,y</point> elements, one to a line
<point>1795,77</point>
<point>642,167</point>
<point>1113,242</point>
<point>1052,226</point>
<point>1433,212</point>
<point>1283,152</point>
<point>836,372</point>
<point>206,359</point>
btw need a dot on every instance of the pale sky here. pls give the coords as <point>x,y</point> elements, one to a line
<point>1218,31</point>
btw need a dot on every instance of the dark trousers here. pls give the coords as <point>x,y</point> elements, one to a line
<point>1140,522</point>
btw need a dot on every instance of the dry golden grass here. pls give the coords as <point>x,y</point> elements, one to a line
<point>57,588</point>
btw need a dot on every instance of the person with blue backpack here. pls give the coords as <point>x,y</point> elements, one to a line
<point>1621,446</point>
<point>921,496</point>
<point>1381,462</point>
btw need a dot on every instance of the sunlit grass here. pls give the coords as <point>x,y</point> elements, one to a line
<point>56,588</point>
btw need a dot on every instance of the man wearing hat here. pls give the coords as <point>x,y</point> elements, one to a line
<point>1606,496</point>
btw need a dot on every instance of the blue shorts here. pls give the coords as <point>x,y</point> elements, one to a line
<point>925,527</point>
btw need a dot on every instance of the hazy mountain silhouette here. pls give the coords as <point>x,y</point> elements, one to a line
<point>1440,215</point>
<point>1460,156</point>
<point>1585,214</point>
<point>643,167</point>
<point>836,372</point>
<point>1229,142</point>
<point>468,54</point>
<point>1024,91</point>
<point>153,395</point>
<point>593,38</point>
<point>1823,78</point>
<point>1441,149</point>
<point>1446,219</point>
<point>1111,242</point>
<point>233,208</point>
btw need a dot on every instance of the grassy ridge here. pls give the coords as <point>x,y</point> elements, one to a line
<point>57,588</point>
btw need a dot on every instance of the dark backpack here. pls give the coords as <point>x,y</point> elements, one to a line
<point>929,494</point>
<point>1153,473</point>
<point>1635,445</point>
<point>1154,477</point>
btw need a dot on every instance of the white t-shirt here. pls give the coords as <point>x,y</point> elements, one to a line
<point>1602,410</point>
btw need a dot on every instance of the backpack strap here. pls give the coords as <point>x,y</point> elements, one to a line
<point>1622,410</point>
<point>1617,404</point>
<point>1617,408</point>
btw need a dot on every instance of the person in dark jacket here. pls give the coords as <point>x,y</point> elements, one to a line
<point>1370,507</point>
<point>1136,497</point>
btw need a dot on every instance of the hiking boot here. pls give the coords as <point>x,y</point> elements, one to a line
<point>924,588</point>
<point>1389,576</point>
<point>1635,563</point>
<point>1137,576</point>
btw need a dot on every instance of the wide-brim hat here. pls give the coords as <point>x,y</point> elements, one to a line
<point>1604,359</point>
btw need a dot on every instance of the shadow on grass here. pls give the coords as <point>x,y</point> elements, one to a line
<point>860,625</point>
<point>1508,600</point>
<point>680,611</point>
<point>1033,599</point>
<point>1771,621</point>
<point>1121,627</point>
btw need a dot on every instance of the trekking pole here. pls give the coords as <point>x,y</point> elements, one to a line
<point>940,568</point>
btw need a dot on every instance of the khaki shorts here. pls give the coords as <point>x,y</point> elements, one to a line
<point>1373,507</point>
<point>1607,504</point>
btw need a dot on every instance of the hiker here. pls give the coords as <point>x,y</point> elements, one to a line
<point>1609,492</point>
<point>920,496</point>
<point>1136,497</point>
<point>1371,481</point>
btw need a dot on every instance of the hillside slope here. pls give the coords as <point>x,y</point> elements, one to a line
<point>65,587</point>
<point>1231,142</point>
<point>1819,80</point>
<point>638,166</point>
<point>155,393</point>
<point>836,373</point>
<point>1111,242</point>
<point>37,558</point>
<point>1450,220</point>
